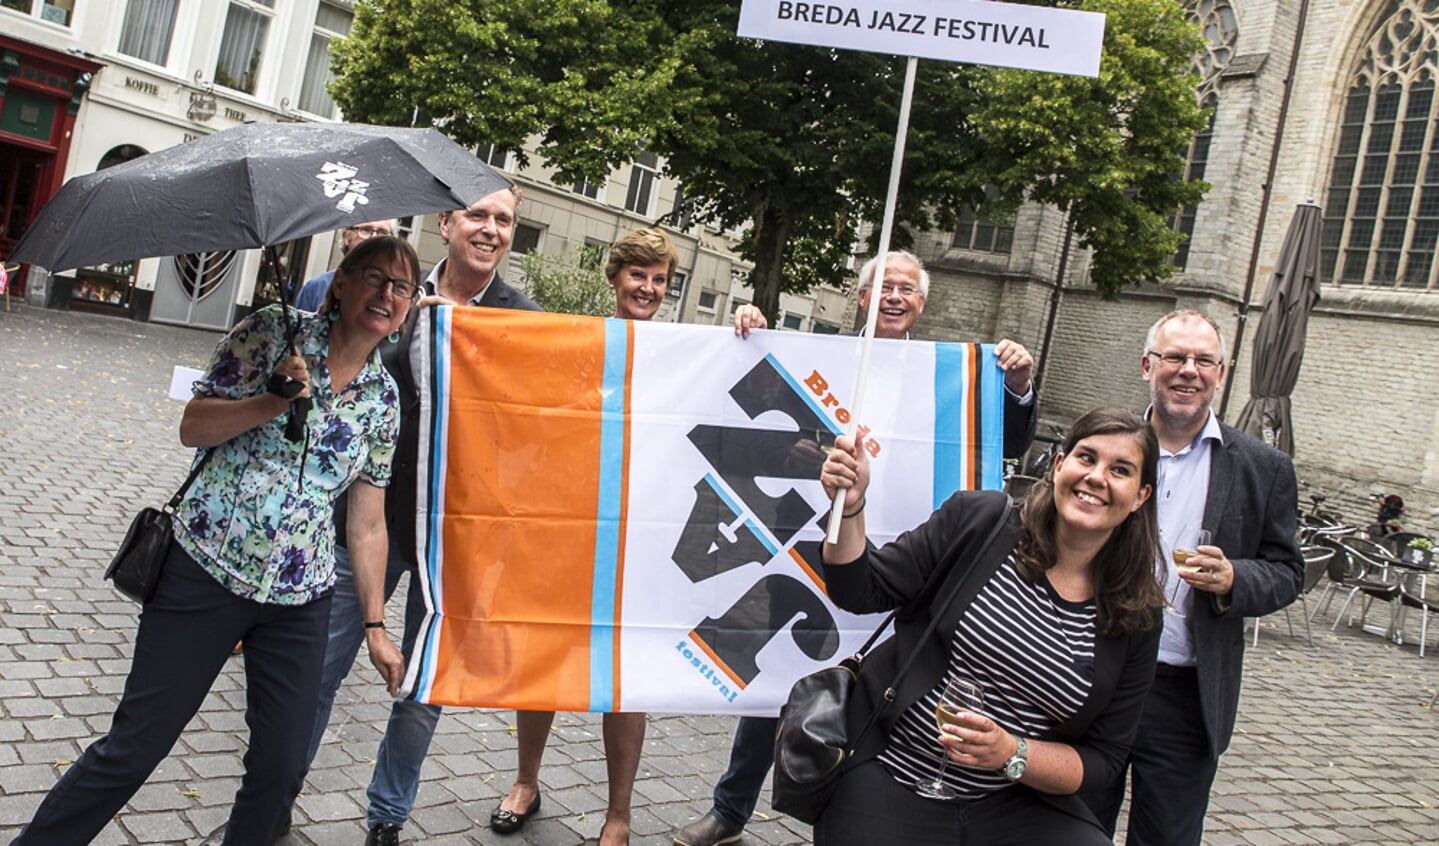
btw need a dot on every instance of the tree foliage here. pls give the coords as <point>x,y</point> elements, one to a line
<point>567,285</point>
<point>796,141</point>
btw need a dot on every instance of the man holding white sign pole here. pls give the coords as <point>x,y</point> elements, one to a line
<point>1036,38</point>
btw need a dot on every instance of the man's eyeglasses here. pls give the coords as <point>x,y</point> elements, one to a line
<point>1177,360</point>
<point>376,278</point>
<point>368,231</point>
<point>903,290</point>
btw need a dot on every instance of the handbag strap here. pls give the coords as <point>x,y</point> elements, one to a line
<point>892,690</point>
<point>189,480</point>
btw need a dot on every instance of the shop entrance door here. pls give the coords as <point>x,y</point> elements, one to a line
<point>197,290</point>
<point>21,170</point>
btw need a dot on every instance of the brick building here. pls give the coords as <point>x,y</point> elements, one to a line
<point>1358,133</point>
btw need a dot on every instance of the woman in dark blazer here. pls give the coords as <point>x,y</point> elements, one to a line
<point>1057,622</point>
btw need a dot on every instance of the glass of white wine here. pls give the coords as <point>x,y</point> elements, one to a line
<point>1180,555</point>
<point>960,695</point>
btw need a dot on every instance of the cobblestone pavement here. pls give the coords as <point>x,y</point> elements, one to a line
<point>1334,743</point>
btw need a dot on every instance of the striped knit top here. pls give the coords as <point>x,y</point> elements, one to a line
<point>1032,652</point>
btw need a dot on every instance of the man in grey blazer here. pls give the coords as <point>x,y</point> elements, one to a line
<point>1214,478</point>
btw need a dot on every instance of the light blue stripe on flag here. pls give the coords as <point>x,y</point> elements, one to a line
<point>950,366</point>
<point>443,331</point>
<point>991,417</point>
<point>607,522</point>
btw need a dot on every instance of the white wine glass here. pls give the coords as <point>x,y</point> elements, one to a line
<point>960,695</point>
<point>1180,555</point>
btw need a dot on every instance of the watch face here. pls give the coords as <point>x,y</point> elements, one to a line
<point>1015,768</point>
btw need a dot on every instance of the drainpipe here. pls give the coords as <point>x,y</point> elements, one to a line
<point>1054,298</point>
<point>1264,204</point>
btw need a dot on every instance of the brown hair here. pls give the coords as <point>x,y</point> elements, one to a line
<point>642,247</point>
<point>1126,592</point>
<point>368,251</point>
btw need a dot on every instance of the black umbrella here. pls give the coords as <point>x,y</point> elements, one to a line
<point>1279,344</point>
<point>255,185</point>
<point>252,186</point>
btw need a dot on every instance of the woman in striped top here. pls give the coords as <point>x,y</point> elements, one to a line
<point>1056,621</point>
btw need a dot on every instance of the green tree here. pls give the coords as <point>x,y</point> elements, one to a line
<point>792,142</point>
<point>572,284</point>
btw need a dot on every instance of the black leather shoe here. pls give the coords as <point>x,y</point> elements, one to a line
<point>509,822</point>
<point>708,830</point>
<point>383,834</point>
<point>216,837</point>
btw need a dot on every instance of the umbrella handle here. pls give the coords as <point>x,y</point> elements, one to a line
<point>295,425</point>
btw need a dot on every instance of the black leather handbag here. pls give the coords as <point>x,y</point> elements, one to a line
<point>812,745</point>
<point>135,569</point>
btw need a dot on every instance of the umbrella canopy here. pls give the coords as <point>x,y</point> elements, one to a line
<point>1279,344</point>
<point>251,186</point>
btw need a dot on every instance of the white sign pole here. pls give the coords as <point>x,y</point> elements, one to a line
<point>876,282</point>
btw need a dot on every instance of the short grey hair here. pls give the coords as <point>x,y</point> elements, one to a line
<point>866,273</point>
<point>1152,337</point>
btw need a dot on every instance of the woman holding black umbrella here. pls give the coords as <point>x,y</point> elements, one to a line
<point>252,554</point>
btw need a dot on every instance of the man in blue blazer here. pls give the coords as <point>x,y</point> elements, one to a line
<point>1243,493</point>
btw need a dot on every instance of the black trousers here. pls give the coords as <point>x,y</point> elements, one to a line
<point>186,633</point>
<point>1171,769</point>
<point>871,807</point>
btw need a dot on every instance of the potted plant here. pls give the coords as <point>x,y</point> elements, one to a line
<point>1421,551</point>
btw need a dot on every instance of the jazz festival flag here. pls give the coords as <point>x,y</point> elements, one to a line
<point>621,516</point>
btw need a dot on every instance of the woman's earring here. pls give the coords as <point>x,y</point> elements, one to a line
<point>395,337</point>
<point>335,312</point>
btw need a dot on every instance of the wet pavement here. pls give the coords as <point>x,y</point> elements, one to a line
<point>1334,742</point>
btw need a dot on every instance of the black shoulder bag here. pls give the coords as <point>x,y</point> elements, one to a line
<point>135,569</point>
<point>812,740</point>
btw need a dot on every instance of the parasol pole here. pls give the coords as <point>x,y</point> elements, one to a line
<point>836,513</point>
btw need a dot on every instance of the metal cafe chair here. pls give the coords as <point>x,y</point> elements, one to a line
<point>1376,579</point>
<point>1316,565</point>
<point>1413,594</point>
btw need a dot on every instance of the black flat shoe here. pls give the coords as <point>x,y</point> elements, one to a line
<point>509,822</point>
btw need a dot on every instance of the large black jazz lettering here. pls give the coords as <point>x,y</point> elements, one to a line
<point>717,539</point>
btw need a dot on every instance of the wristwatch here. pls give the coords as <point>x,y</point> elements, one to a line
<point>1015,767</point>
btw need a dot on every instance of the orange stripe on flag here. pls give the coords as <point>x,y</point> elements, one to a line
<point>522,489</point>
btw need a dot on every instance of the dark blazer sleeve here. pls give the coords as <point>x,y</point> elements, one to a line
<point>1104,746</point>
<point>1260,512</point>
<point>501,295</point>
<point>898,573</point>
<point>1020,422</point>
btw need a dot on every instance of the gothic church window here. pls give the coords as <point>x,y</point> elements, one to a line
<point>1381,213</point>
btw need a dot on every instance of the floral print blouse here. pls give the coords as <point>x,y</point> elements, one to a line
<point>255,520</point>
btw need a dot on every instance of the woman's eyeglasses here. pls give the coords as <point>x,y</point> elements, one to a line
<point>376,278</point>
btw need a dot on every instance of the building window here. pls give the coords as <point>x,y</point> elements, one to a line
<point>792,321</point>
<point>644,176</point>
<point>243,43</point>
<point>735,304</point>
<point>1221,31</point>
<point>496,156</point>
<point>822,328</point>
<point>707,300</point>
<point>981,233</point>
<point>677,284</point>
<point>1381,215</point>
<point>526,239</point>
<point>331,21</point>
<point>1198,160</point>
<point>148,27</point>
<point>586,188</point>
<point>60,12</point>
<point>684,219</point>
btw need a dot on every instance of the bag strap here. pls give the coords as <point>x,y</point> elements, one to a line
<point>891,691</point>
<point>189,480</point>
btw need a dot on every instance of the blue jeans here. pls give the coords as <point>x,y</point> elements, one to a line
<point>402,751</point>
<point>750,757</point>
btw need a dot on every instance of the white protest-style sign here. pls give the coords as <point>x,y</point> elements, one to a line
<point>974,31</point>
